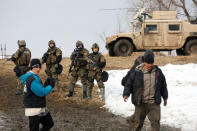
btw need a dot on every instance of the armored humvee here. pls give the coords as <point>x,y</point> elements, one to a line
<point>159,31</point>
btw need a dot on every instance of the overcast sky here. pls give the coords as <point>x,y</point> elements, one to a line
<point>65,21</point>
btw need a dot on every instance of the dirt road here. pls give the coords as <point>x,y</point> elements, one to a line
<point>70,114</point>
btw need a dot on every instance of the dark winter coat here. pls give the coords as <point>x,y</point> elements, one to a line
<point>135,86</point>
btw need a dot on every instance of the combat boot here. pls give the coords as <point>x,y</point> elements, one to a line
<point>70,94</point>
<point>85,91</point>
<point>102,92</point>
<point>71,90</point>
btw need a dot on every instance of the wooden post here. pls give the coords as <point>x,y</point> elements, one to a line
<point>5,51</point>
<point>1,51</point>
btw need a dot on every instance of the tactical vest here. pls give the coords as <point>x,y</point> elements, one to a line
<point>53,53</point>
<point>24,59</point>
<point>80,58</point>
<point>98,58</point>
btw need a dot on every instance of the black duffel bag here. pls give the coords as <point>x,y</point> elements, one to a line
<point>104,76</point>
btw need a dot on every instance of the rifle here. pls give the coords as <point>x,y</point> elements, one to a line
<point>9,59</point>
<point>78,54</point>
<point>94,63</point>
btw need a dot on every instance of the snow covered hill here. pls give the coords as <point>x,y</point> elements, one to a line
<point>181,111</point>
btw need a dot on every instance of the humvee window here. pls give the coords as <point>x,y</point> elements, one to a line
<point>151,27</point>
<point>174,27</point>
<point>137,26</point>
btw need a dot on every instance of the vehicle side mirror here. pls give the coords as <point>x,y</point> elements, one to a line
<point>146,30</point>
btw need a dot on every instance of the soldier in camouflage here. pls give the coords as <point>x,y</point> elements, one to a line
<point>96,63</point>
<point>78,68</point>
<point>21,59</point>
<point>52,58</point>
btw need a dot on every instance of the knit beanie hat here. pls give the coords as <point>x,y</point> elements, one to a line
<point>35,63</point>
<point>149,57</point>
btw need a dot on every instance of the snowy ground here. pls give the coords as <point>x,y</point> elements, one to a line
<point>181,111</point>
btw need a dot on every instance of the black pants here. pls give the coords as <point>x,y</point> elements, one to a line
<point>46,121</point>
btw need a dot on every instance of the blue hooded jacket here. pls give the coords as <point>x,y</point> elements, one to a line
<point>36,86</point>
<point>34,91</point>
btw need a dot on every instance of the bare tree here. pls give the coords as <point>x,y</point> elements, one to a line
<point>195,2</point>
<point>165,5</point>
<point>181,4</point>
<point>152,5</point>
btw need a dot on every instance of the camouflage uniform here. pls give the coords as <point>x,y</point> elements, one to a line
<point>95,67</point>
<point>79,61</point>
<point>21,58</point>
<point>52,58</point>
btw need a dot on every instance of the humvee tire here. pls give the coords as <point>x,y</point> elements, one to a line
<point>180,52</point>
<point>191,47</point>
<point>123,47</point>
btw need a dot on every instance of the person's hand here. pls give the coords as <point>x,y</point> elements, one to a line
<point>125,98</point>
<point>47,82</point>
<point>165,102</point>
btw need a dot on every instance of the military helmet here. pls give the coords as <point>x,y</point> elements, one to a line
<point>21,43</point>
<point>79,43</point>
<point>51,42</point>
<point>95,45</point>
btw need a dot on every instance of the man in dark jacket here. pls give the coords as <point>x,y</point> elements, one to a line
<point>147,85</point>
<point>34,98</point>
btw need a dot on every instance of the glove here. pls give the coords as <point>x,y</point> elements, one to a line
<point>17,71</point>
<point>83,63</point>
<point>20,53</point>
<point>45,56</point>
<point>102,65</point>
<point>47,82</point>
<point>59,69</point>
<point>58,59</point>
<point>52,82</point>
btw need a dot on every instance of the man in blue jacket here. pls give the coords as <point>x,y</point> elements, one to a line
<point>34,98</point>
<point>147,84</point>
